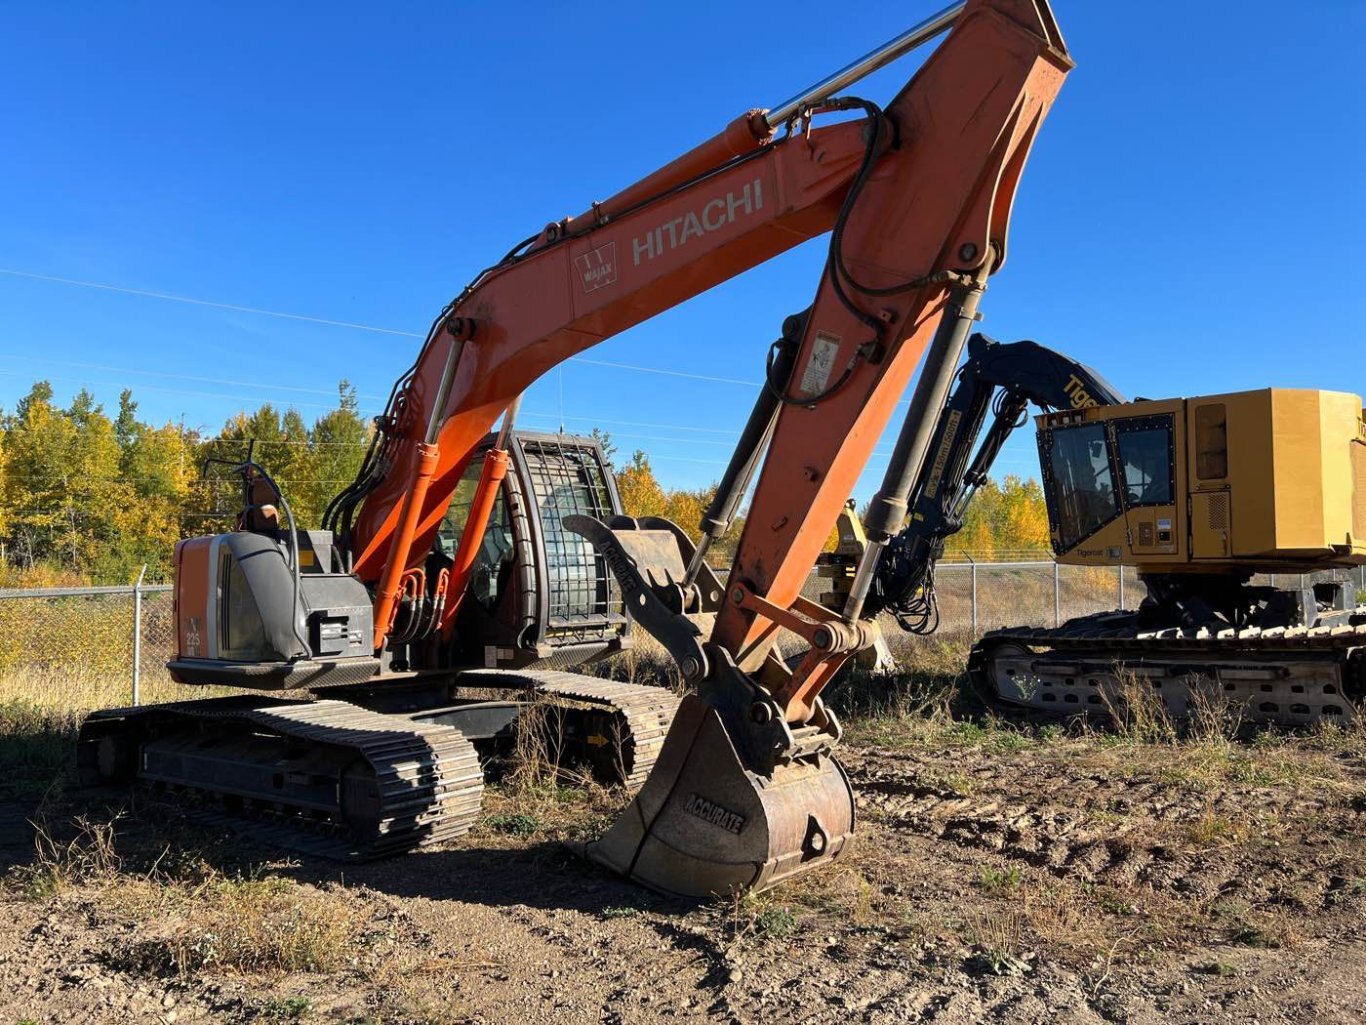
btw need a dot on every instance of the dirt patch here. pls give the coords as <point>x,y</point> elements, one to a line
<point>1003,872</point>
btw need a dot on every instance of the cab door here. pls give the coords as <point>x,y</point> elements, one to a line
<point>1211,499</point>
<point>1145,460</point>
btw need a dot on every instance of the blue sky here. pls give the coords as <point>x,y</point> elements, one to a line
<point>1189,222</point>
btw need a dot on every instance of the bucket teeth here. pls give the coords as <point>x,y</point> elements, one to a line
<point>703,825</point>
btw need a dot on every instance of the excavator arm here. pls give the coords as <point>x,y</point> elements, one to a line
<point>916,199</point>
<point>1003,380</point>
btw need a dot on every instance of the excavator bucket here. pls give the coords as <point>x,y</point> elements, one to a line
<point>738,799</point>
<point>703,825</point>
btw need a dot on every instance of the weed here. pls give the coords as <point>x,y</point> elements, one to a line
<point>998,881</point>
<point>268,924</point>
<point>286,1009</point>
<point>1113,903</point>
<point>1254,936</point>
<point>778,922</point>
<point>621,911</point>
<point>59,864</point>
<point>998,945</point>
<point>1212,828</point>
<point>1010,741</point>
<point>517,824</point>
<point>1137,713</point>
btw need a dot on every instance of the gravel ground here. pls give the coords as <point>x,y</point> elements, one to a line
<point>1001,874</point>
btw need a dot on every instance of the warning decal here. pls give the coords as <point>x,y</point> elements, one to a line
<point>821,363</point>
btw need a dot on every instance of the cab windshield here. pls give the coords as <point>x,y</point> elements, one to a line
<point>1083,483</point>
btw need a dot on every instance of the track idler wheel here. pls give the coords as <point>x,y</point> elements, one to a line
<point>703,825</point>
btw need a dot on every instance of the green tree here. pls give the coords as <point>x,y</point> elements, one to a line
<point>339,440</point>
<point>604,440</point>
<point>640,491</point>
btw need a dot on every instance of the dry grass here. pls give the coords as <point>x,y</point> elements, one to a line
<point>997,939</point>
<point>78,688</point>
<point>262,926</point>
<point>182,914</point>
<point>85,856</point>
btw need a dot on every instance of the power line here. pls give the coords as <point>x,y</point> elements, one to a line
<point>595,420</point>
<point>148,294</point>
<point>657,370</point>
<point>352,325</point>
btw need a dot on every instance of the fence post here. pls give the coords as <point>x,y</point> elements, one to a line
<point>137,635</point>
<point>1057,596</point>
<point>1121,587</point>
<point>974,596</point>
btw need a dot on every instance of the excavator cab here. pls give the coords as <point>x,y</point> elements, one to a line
<point>539,595</point>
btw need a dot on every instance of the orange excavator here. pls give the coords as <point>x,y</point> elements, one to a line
<point>375,615</point>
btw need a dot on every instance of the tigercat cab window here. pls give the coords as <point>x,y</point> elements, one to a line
<point>1145,454</point>
<point>1082,489</point>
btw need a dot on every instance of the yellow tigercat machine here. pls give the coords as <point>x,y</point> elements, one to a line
<point>1204,496</point>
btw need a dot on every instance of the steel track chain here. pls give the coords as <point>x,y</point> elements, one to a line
<point>646,712</point>
<point>428,777</point>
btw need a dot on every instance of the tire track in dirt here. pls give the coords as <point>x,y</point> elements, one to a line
<point>1263,845</point>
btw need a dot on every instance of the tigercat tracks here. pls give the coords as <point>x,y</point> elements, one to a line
<point>1284,675</point>
<point>645,712</point>
<point>358,785</point>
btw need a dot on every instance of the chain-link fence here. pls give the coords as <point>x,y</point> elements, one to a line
<point>90,647</point>
<point>100,647</point>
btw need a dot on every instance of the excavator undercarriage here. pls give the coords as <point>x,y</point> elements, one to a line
<point>1288,676</point>
<point>379,758</point>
